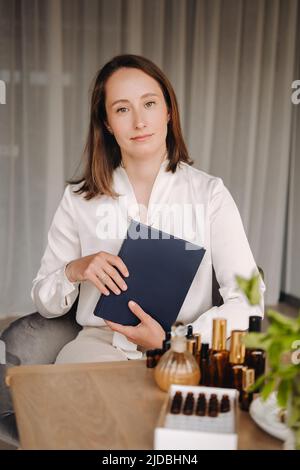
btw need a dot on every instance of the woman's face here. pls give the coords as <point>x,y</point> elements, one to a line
<point>137,113</point>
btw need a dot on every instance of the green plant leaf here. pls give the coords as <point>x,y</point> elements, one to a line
<point>254,294</point>
<point>284,389</point>
<point>250,288</point>
<point>288,372</point>
<point>268,388</point>
<point>253,340</point>
<point>286,324</point>
<point>293,414</point>
<point>259,382</point>
<point>274,354</point>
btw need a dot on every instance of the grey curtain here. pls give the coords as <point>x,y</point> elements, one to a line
<point>231,62</point>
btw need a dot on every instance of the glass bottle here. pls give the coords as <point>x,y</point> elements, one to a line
<point>197,352</point>
<point>150,363</point>
<point>190,340</point>
<point>167,342</point>
<point>205,367</point>
<point>255,358</point>
<point>246,397</point>
<point>177,365</point>
<point>236,359</point>
<point>219,355</point>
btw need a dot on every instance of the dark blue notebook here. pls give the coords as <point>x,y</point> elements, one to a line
<point>161,270</point>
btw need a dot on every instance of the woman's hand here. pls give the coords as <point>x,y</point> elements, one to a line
<point>147,334</point>
<point>99,268</point>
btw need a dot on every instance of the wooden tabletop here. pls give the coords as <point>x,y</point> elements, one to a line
<point>112,405</point>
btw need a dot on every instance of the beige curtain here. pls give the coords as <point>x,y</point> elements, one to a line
<point>231,62</point>
<point>291,253</point>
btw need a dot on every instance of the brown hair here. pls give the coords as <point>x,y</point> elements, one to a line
<point>102,153</point>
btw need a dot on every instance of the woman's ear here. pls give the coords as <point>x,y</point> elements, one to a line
<point>108,128</point>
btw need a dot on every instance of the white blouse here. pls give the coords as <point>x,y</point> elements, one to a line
<point>189,204</point>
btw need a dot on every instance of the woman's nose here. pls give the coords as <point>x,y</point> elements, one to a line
<point>139,121</point>
<point>140,125</point>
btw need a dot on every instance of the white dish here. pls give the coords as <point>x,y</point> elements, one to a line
<point>266,416</point>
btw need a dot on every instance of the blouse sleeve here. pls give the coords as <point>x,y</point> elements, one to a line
<point>52,292</point>
<point>231,256</point>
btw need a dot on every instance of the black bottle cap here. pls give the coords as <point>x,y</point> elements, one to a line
<point>254,323</point>
<point>204,350</point>
<point>168,335</point>
<point>150,353</point>
<point>158,351</point>
<point>166,345</point>
<point>189,332</point>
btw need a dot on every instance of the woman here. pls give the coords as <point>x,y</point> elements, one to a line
<point>137,166</point>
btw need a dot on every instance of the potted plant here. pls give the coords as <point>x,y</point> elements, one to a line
<point>281,341</point>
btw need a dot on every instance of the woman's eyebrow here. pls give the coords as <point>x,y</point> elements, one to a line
<point>146,95</point>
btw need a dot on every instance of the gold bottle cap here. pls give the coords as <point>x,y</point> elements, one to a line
<point>219,334</point>
<point>197,337</point>
<point>248,378</point>
<point>178,344</point>
<point>237,347</point>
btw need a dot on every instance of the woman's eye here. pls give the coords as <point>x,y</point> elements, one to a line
<point>121,110</point>
<point>150,104</point>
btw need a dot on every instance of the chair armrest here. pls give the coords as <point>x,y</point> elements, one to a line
<point>37,340</point>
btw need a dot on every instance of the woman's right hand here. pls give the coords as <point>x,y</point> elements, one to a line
<point>100,269</point>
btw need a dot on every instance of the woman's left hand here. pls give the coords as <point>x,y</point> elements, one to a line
<point>147,334</point>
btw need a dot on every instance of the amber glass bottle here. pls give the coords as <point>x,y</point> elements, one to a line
<point>197,352</point>
<point>255,358</point>
<point>236,359</point>
<point>205,368</point>
<point>219,355</point>
<point>177,366</point>
<point>246,396</point>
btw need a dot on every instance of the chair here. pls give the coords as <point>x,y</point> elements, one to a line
<point>31,339</point>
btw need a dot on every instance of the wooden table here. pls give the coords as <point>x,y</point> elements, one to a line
<point>112,405</point>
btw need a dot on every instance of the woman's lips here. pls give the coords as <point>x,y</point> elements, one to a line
<point>142,138</point>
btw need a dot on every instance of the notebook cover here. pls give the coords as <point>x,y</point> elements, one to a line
<point>161,270</point>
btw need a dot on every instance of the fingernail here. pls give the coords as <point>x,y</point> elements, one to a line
<point>126,274</point>
<point>118,292</point>
<point>124,287</point>
<point>107,292</point>
<point>132,303</point>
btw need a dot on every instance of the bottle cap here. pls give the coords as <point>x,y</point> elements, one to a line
<point>237,347</point>
<point>166,344</point>
<point>254,323</point>
<point>197,337</point>
<point>168,335</point>
<point>204,350</point>
<point>180,330</point>
<point>179,344</point>
<point>189,332</point>
<point>219,334</point>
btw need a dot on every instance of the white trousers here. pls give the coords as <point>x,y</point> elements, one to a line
<point>92,344</point>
